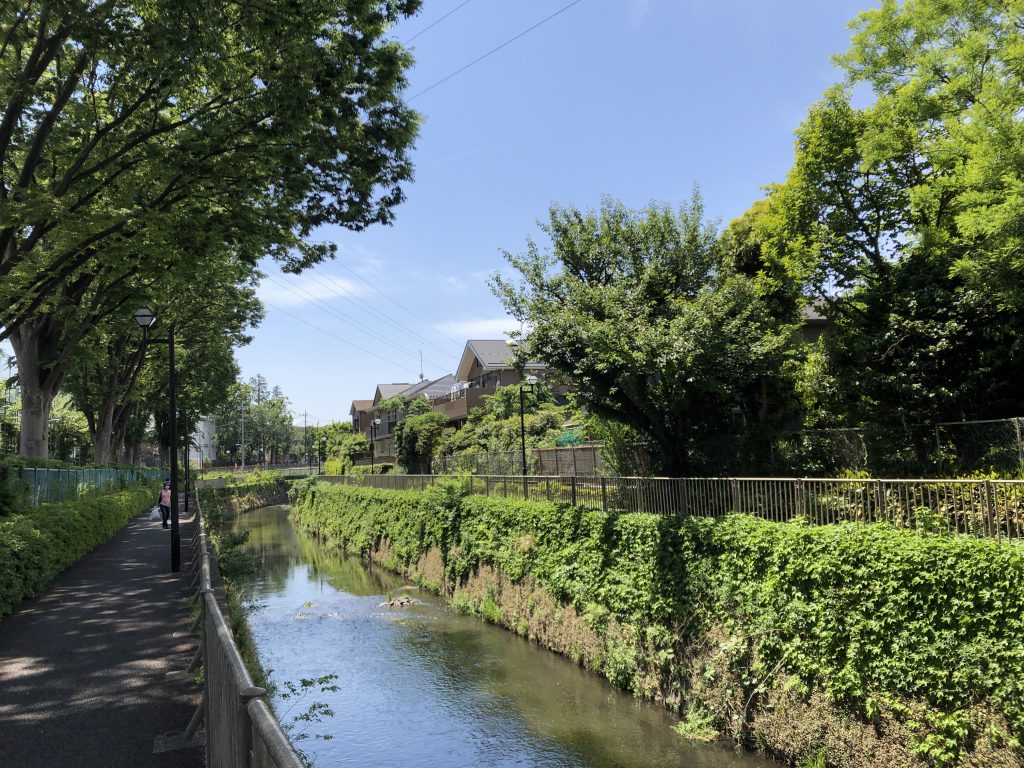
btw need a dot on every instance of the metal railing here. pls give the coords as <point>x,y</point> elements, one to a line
<point>241,731</point>
<point>990,508</point>
<point>39,485</point>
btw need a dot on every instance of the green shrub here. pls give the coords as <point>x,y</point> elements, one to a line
<point>40,542</point>
<point>378,468</point>
<point>867,614</point>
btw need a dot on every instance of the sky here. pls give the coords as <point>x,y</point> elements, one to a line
<point>639,100</point>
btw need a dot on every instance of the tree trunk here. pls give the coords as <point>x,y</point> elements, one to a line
<point>103,437</point>
<point>33,344</point>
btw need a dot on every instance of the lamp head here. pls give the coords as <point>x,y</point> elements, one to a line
<point>144,316</point>
<point>376,422</point>
<point>531,380</point>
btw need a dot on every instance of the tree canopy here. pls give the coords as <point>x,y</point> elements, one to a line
<point>901,219</point>
<point>644,312</point>
<point>134,146</point>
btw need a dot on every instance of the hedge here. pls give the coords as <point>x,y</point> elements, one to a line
<point>38,543</point>
<point>915,632</point>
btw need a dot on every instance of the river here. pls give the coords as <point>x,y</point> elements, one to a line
<point>424,686</point>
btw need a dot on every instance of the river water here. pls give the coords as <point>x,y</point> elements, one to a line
<point>424,686</point>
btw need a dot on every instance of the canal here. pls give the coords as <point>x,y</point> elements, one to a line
<point>421,685</point>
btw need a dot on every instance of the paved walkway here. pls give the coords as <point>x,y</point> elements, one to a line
<point>90,670</point>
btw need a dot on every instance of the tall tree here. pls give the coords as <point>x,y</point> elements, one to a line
<point>643,312</point>
<point>896,217</point>
<point>212,309</point>
<point>126,127</point>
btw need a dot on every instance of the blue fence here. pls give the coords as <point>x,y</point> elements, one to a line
<point>37,485</point>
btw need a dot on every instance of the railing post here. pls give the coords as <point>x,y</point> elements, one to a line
<point>243,727</point>
<point>734,493</point>
<point>800,503</point>
<point>990,519</point>
<point>547,485</point>
<point>880,505</point>
<point>604,494</point>
<point>573,496</point>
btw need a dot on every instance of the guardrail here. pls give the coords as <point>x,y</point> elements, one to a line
<point>241,730</point>
<point>40,485</point>
<point>990,508</point>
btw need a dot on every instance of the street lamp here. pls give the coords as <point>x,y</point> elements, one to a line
<point>373,437</point>
<point>321,451</point>
<point>529,386</point>
<point>145,317</point>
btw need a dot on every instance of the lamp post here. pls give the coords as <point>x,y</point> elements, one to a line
<point>321,452</point>
<point>145,318</point>
<point>373,437</point>
<point>529,386</point>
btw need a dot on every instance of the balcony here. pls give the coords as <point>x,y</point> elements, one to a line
<point>456,407</point>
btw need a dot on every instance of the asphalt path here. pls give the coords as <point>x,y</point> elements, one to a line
<point>91,671</point>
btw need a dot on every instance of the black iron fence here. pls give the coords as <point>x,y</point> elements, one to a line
<point>990,508</point>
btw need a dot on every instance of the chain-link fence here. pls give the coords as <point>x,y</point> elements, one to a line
<point>965,447</point>
<point>939,450</point>
<point>579,460</point>
<point>38,485</point>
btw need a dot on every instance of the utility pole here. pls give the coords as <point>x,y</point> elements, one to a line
<point>243,438</point>
<point>305,442</point>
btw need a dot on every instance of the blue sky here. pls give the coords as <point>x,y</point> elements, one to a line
<point>636,99</point>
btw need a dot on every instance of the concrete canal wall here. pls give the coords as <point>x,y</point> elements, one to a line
<point>850,645</point>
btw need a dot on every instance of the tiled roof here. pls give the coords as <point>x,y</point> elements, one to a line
<point>384,391</point>
<point>493,353</point>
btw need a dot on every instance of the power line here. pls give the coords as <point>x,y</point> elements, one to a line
<point>427,29</point>
<point>339,338</point>
<point>397,304</point>
<point>511,40</point>
<point>376,312</point>
<point>345,317</point>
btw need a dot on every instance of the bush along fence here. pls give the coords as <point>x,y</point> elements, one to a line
<point>39,542</point>
<point>39,485</point>
<point>849,645</point>
<point>989,508</point>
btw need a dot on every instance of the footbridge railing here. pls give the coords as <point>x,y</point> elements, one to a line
<point>241,731</point>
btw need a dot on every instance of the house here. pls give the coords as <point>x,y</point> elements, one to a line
<point>486,365</point>
<point>384,441</point>
<point>380,438</point>
<point>812,323</point>
<point>360,414</point>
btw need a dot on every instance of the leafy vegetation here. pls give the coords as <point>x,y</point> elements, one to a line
<point>495,427</point>
<point>36,544</point>
<point>268,423</point>
<point>142,156</point>
<point>650,317</point>
<point>340,447</point>
<point>910,636</point>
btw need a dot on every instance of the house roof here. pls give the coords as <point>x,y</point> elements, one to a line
<point>809,314</point>
<point>434,388</point>
<point>384,391</point>
<point>492,354</point>
<point>360,405</point>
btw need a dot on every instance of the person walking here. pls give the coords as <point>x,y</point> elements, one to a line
<point>164,500</point>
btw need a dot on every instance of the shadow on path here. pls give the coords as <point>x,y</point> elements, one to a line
<point>90,669</point>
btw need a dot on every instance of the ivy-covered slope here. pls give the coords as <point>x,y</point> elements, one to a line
<point>852,645</point>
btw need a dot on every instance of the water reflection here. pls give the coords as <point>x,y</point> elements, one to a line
<point>422,686</point>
